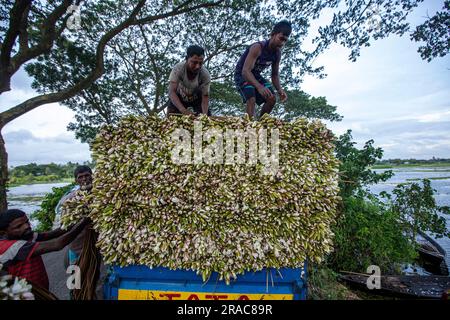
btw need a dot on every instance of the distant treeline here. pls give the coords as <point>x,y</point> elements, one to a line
<point>412,161</point>
<point>41,173</point>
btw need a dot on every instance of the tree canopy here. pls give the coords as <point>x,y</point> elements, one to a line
<point>138,60</point>
<point>118,61</point>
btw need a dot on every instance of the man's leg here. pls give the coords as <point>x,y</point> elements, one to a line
<point>268,106</point>
<point>248,94</point>
<point>251,106</point>
<point>269,102</point>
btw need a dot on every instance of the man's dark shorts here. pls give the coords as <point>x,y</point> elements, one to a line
<point>195,106</point>
<point>247,90</point>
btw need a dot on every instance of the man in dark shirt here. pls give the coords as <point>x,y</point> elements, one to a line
<point>253,88</point>
<point>21,248</point>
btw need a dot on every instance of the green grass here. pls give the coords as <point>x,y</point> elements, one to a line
<point>323,285</point>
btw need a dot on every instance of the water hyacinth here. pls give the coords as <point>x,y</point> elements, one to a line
<point>228,218</point>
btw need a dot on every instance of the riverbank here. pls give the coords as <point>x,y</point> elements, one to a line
<point>323,284</point>
<point>432,178</point>
<point>37,180</point>
<point>28,198</point>
<point>412,165</point>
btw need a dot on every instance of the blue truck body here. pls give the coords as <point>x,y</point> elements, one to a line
<point>143,283</point>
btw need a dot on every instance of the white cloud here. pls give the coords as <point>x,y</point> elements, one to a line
<point>443,116</point>
<point>434,117</point>
<point>388,145</point>
<point>24,147</point>
<point>19,136</point>
<point>390,95</point>
<point>24,136</point>
<point>44,121</point>
<point>39,135</point>
<point>12,98</point>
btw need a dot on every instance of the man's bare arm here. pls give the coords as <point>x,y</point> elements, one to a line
<point>205,104</point>
<point>276,76</point>
<point>62,241</point>
<point>52,234</point>
<point>253,54</point>
<point>175,100</point>
<point>276,80</point>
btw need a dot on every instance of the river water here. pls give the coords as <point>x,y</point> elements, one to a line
<point>29,197</point>
<point>440,181</point>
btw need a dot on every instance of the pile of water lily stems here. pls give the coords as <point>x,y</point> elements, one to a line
<point>230,217</point>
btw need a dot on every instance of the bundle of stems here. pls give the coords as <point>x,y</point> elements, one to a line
<point>89,263</point>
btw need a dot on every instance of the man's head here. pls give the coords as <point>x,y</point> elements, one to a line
<point>83,177</point>
<point>280,33</point>
<point>194,58</point>
<point>15,224</point>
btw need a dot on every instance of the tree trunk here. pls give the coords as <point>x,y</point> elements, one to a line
<point>3,174</point>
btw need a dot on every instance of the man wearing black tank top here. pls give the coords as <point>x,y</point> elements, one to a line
<point>253,88</point>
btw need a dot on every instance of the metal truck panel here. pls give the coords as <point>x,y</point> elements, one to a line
<point>143,283</point>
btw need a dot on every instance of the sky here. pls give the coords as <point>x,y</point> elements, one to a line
<point>389,95</point>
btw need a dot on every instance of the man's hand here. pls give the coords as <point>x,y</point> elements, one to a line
<point>188,112</point>
<point>283,95</point>
<point>265,92</point>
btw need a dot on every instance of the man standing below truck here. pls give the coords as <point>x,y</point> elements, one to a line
<point>189,85</point>
<point>253,88</point>
<point>83,178</point>
<point>82,251</point>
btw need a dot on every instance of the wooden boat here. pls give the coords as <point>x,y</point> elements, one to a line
<point>429,250</point>
<point>421,287</point>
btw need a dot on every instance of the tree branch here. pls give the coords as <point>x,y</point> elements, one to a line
<point>155,70</point>
<point>23,34</point>
<point>96,73</point>
<point>177,11</point>
<point>15,22</point>
<point>132,65</point>
<point>49,35</point>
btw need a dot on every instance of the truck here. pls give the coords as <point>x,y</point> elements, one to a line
<point>139,282</point>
